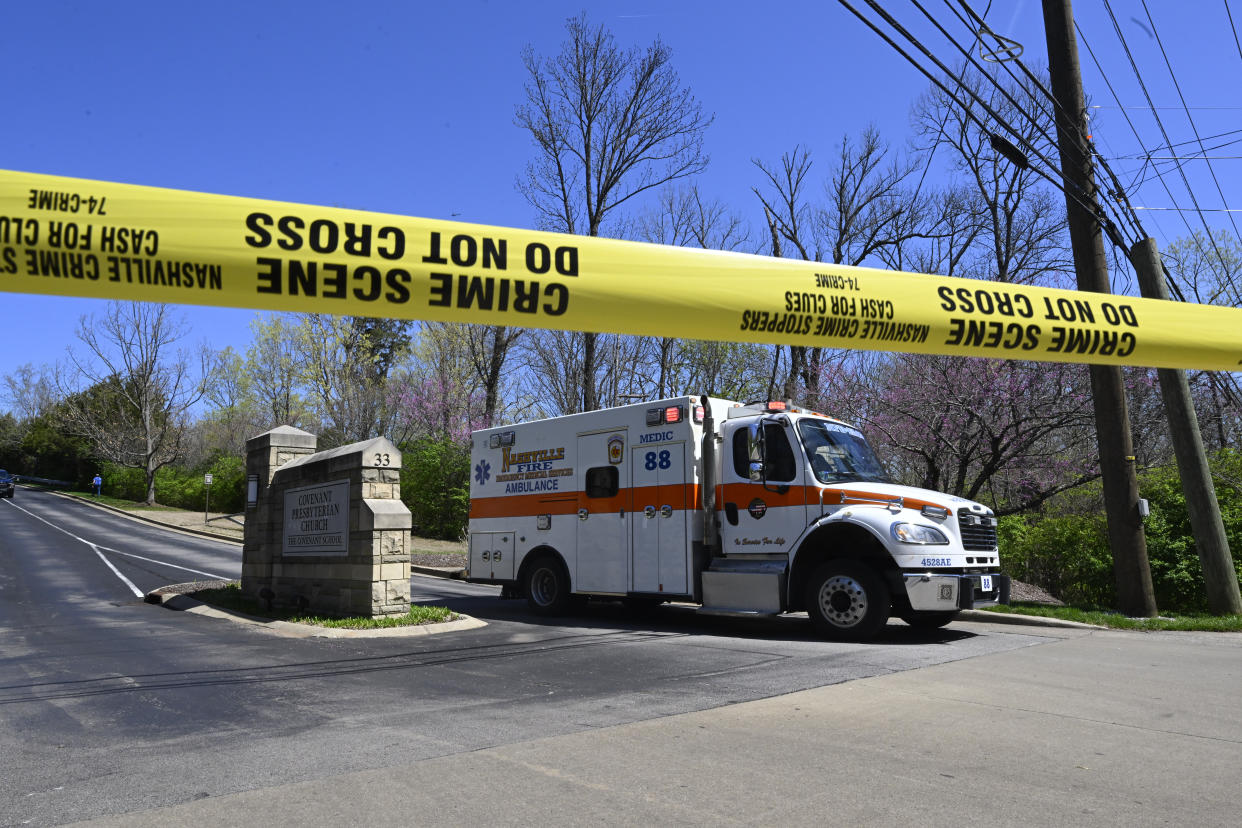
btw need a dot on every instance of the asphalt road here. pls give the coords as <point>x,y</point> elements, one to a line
<point>113,708</point>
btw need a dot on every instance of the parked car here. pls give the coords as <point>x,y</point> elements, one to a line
<point>6,484</point>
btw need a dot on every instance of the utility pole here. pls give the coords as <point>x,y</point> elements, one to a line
<point>1219,576</point>
<point>1135,596</point>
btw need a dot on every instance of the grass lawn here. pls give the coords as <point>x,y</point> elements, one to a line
<point>1115,620</point>
<point>231,598</point>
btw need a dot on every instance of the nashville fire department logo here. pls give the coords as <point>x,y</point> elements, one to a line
<point>616,449</point>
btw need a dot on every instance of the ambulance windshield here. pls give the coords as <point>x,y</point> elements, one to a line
<point>839,454</point>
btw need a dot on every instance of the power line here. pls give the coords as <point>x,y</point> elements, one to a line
<point>1189,118</point>
<point>1233,28</point>
<point>1181,171</point>
<point>1174,146</point>
<point>965,107</point>
<point>1116,193</point>
<point>1195,157</point>
<point>1205,209</point>
<point>1126,114</point>
<point>1174,108</point>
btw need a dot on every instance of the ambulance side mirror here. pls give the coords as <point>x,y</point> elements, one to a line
<point>755,451</point>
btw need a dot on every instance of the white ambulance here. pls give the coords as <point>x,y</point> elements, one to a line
<point>743,509</point>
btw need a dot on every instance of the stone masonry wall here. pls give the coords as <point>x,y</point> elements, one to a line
<point>372,576</point>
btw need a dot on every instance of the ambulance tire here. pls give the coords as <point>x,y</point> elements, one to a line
<point>847,601</point>
<point>547,586</point>
<point>928,620</point>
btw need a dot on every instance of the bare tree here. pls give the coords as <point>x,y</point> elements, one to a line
<point>273,371</point>
<point>1023,222</point>
<point>555,362</point>
<point>608,125</point>
<point>345,363</point>
<point>233,417</point>
<point>489,351</point>
<point>1015,433</point>
<point>682,217</point>
<point>30,391</point>
<point>1209,271</point>
<point>129,395</point>
<point>869,208</point>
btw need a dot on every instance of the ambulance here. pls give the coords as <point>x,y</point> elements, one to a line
<point>741,509</point>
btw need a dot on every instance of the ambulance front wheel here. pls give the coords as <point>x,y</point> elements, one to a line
<point>547,586</point>
<point>847,600</point>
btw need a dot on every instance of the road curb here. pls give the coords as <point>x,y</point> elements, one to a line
<point>170,598</point>
<point>985,617</point>
<point>456,573</point>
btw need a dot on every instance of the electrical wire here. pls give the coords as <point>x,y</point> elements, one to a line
<point>1127,216</point>
<point>1084,203</point>
<point>1178,166</point>
<point>1173,287</point>
<point>1190,119</point>
<point>1174,146</point>
<point>1233,28</point>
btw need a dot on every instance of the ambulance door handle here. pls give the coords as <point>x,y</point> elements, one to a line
<point>666,511</point>
<point>582,514</point>
<point>649,512</point>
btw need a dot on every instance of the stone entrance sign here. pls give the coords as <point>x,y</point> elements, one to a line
<point>327,532</point>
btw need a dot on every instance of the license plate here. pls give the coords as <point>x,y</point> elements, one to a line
<point>985,583</point>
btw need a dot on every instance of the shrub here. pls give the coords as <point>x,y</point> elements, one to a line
<point>1069,555</point>
<point>181,487</point>
<point>1176,573</point>
<point>122,482</point>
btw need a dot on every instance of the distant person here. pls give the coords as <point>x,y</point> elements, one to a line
<point>98,484</point>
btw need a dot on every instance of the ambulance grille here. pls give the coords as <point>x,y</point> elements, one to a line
<point>978,532</point>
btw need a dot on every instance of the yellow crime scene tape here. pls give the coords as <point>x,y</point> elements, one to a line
<point>77,237</point>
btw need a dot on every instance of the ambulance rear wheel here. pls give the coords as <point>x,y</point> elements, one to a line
<point>847,601</point>
<point>547,586</point>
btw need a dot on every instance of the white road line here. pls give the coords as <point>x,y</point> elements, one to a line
<point>115,571</point>
<point>166,563</point>
<point>96,549</point>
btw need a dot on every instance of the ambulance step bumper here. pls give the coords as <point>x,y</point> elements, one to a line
<point>726,612</point>
<point>748,588</point>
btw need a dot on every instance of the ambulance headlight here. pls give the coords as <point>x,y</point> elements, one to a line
<point>914,533</point>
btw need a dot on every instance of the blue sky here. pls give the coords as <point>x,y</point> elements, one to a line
<point>407,107</point>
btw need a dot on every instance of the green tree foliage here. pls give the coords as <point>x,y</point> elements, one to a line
<point>435,486</point>
<point>48,451</point>
<point>10,441</point>
<point>1068,554</point>
<point>180,487</point>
